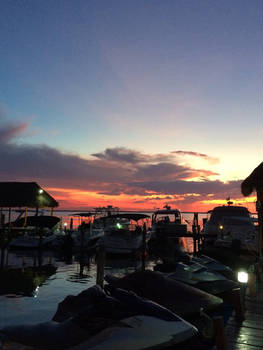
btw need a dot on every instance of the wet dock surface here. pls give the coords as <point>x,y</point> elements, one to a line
<point>248,334</point>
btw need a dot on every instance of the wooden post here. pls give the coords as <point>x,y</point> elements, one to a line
<point>100,258</point>
<point>258,272</point>
<point>9,218</point>
<point>260,219</point>
<point>2,260</point>
<point>238,305</point>
<point>143,246</point>
<point>196,232</point>
<point>81,238</point>
<point>7,256</point>
<point>252,283</point>
<point>221,342</point>
<point>25,220</point>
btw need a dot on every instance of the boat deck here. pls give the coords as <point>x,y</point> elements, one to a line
<point>247,335</point>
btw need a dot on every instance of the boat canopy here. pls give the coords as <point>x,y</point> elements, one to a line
<point>167,211</point>
<point>130,216</point>
<point>37,221</point>
<point>25,194</point>
<point>83,214</point>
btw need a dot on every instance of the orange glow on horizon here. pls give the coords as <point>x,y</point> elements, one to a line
<point>86,200</point>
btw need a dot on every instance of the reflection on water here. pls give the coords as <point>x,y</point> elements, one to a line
<point>32,283</point>
<point>25,280</point>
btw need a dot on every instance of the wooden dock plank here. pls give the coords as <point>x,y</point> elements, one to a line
<point>246,338</point>
<point>254,316</point>
<point>234,330</point>
<point>235,346</point>
<point>249,323</point>
<point>247,335</point>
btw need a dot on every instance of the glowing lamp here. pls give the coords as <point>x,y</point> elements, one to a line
<point>118,225</point>
<point>242,277</point>
<point>221,227</point>
<point>40,191</point>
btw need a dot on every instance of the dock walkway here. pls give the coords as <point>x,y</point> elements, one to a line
<point>248,334</point>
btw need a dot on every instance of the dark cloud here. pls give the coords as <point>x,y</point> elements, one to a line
<point>184,187</point>
<point>122,154</point>
<point>8,132</point>
<point>170,172</point>
<point>196,154</point>
<point>112,172</point>
<point>56,168</point>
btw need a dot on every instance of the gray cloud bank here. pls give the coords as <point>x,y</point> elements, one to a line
<point>115,171</point>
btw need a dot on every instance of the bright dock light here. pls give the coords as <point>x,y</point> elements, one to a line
<point>242,277</point>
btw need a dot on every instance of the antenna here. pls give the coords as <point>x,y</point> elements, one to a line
<point>229,202</point>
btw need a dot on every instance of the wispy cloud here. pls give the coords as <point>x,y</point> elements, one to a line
<point>197,154</point>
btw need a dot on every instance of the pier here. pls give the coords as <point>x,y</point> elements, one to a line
<point>246,334</point>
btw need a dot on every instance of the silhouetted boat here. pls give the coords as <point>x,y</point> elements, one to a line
<point>114,321</point>
<point>184,300</point>
<point>121,236</point>
<point>232,226</point>
<point>33,232</point>
<point>167,234</point>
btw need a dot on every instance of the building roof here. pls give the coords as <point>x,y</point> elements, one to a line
<point>25,194</point>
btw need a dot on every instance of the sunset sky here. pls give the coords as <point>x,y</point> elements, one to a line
<point>132,103</point>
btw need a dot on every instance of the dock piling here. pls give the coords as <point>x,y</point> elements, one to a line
<point>238,305</point>
<point>100,257</point>
<point>252,284</point>
<point>221,341</point>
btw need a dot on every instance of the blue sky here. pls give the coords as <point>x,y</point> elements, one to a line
<point>151,77</point>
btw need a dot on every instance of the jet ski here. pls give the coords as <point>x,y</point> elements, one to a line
<point>192,304</point>
<point>199,276</point>
<point>119,319</point>
<point>195,262</point>
<point>214,265</point>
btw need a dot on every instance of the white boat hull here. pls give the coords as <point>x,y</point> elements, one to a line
<point>143,332</point>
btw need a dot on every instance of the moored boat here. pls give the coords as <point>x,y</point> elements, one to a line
<point>112,321</point>
<point>167,234</point>
<point>200,277</point>
<point>124,234</point>
<point>231,227</point>
<point>185,300</point>
<point>33,232</point>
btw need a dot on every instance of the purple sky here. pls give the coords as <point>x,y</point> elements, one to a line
<point>132,97</point>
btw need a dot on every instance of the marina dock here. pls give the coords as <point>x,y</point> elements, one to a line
<point>246,334</point>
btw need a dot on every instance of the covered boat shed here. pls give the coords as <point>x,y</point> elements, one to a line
<point>24,195</point>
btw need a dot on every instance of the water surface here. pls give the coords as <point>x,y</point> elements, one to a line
<point>36,298</point>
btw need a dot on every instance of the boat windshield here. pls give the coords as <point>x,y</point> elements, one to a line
<point>167,218</point>
<point>220,214</point>
<point>237,220</point>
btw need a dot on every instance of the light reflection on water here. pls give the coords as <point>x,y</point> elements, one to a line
<point>68,279</point>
